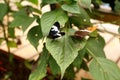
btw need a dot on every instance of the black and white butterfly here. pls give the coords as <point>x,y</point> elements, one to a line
<point>55,31</point>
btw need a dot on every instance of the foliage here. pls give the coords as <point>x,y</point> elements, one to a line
<point>117,7</point>
<point>99,65</point>
<point>41,67</point>
<point>61,55</point>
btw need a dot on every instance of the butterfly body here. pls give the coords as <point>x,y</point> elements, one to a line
<point>55,31</point>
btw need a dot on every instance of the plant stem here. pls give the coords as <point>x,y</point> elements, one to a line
<point>5,36</point>
<point>4,26</point>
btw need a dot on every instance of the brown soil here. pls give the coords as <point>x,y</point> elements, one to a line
<point>12,70</point>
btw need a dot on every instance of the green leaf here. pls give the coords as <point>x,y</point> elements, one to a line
<point>34,1</point>
<point>85,17</point>
<point>102,41</point>
<point>104,69</point>
<point>54,66</point>
<point>40,71</point>
<point>34,35</point>
<point>95,46</point>
<point>21,18</point>
<point>28,64</point>
<point>49,18</point>
<point>93,34</point>
<point>72,8</point>
<point>78,60</point>
<point>76,20</point>
<point>86,79</point>
<point>117,6</point>
<point>69,73</point>
<point>69,1</point>
<point>64,50</point>
<point>3,10</point>
<point>11,32</point>
<point>44,2</point>
<point>36,10</point>
<point>80,20</point>
<point>12,44</point>
<point>86,3</point>
<point>1,40</point>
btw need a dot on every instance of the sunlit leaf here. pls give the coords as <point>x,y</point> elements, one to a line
<point>12,44</point>
<point>40,71</point>
<point>21,18</point>
<point>49,18</point>
<point>72,8</point>
<point>34,1</point>
<point>64,50</point>
<point>93,34</point>
<point>86,3</point>
<point>104,69</point>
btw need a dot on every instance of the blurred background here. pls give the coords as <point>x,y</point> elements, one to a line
<point>107,25</point>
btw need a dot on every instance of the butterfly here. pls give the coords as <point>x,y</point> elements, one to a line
<point>55,31</point>
<point>82,33</point>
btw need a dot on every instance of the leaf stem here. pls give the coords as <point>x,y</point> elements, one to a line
<point>91,54</point>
